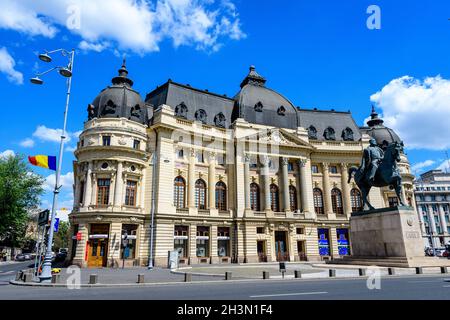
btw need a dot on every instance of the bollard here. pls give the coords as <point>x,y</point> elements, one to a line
<point>362,272</point>
<point>419,270</point>
<point>332,273</point>
<point>19,275</point>
<point>266,275</point>
<point>56,278</point>
<point>391,271</point>
<point>27,277</point>
<point>141,278</point>
<point>93,278</point>
<point>444,270</point>
<point>298,274</point>
<point>228,275</point>
<point>187,277</point>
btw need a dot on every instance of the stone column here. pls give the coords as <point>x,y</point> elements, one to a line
<point>298,185</point>
<point>327,189</point>
<point>345,190</point>
<point>266,177</point>
<point>88,186</point>
<point>191,180</point>
<point>76,195</point>
<point>94,190</point>
<point>422,224</point>
<point>442,218</point>
<point>119,185</point>
<point>212,180</point>
<point>306,205</point>
<point>404,195</point>
<point>247,182</point>
<point>433,226</point>
<point>284,171</point>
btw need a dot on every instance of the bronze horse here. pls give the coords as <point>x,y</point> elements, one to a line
<point>387,174</point>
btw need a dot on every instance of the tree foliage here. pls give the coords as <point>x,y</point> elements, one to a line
<point>20,191</point>
<point>61,239</point>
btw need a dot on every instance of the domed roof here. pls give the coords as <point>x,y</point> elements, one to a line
<point>119,100</point>
<point>379,132</point>
<point>258,104</point>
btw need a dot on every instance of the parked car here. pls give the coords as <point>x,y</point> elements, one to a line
<point>22,257</point>
<point>60,257</point>
<point>440,251</point>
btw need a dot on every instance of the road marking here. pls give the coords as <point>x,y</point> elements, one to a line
<point>288,294</point>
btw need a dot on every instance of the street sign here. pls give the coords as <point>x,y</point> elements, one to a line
<point>282,266</point>
<point>56,225</point>
<point>43,218</point>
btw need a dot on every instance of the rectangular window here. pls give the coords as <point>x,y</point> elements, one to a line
<point>393,202</point>
<point>300,230</point>
<point>315,168</point>
<point>180,154</point>
<point>106,140</point>
<point>82,142</point>
<point>130,193</point>
<point>223,242</point>
<point>136,144</point>
<point>200,157</point>
<point>181,241</point>
<point>103,192</point>
<point>128,245</point>
<point>342,242</point>
<point>203,242</point>
<point>333,169</point>
<point>290,167</point>
<point>260,230</point>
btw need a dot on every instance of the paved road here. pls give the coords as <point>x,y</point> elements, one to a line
<point>8,271</point>
<point>410,287</point>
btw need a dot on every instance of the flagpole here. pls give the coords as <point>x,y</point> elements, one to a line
<point>46,274</point>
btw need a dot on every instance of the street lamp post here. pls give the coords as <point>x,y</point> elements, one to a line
<point>46,274</point>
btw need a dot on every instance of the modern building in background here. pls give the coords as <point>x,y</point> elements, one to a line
<point>249,178</point>
<point>433,204</point>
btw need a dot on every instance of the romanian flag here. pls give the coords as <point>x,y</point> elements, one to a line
<point>48,162</point>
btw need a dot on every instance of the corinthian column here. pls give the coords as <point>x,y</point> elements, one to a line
<point>191,179</point>
<point>247,182</point>
<point>345,189</point>
<point>212,180</point>
<point>88,187</point>
<point>306,206</point>
<point>119,185</point>
<point>327,188</point>
<point>442,218</point>
<point>284,170</point>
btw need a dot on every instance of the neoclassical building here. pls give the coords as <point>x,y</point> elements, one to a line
<point>243,179</point>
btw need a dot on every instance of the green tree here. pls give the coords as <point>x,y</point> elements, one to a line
<point>62,236</point>
<point>20,191</point>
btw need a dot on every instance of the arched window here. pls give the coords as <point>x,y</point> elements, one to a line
<point>221,196</point>
<point>355,197</point>
<point>336,201</point>
<point>274,198</point>
<point>200,194</point>
<point>318,201</point>
<point>179,192</point>
<point>329,134</point>
<point>312,132</point>
<point>293,198</point>
<point>254,197</point>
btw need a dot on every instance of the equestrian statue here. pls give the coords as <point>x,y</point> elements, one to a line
<point>378,169</point>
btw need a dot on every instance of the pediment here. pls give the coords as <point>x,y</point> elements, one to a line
<point>278,137</point>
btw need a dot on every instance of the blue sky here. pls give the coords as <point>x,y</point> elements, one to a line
<point>317,53</point>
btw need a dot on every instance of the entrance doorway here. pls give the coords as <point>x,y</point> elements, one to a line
<point>97,253</point>
<point>281,249</point>
<point>261,245</point>
<point>301,251</point>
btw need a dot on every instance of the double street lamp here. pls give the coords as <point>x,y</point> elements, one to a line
<point>66,72</point>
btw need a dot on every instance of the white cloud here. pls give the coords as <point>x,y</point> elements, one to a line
<point>7,65</point>
<point>70,149</point>
<point>65,180</point>
<point>444,166</point>
<point>14,15</point>
<point>47,134</point>
<point>137,25</point>
<point>27,143</point>
<point>418,167</point>
<point>417,110</point>
<point>7,153</point>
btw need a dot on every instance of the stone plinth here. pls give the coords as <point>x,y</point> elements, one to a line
<point>388,237</point>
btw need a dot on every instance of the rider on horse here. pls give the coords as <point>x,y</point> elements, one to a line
<point>373,155</point>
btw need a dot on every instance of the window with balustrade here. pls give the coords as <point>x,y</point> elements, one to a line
<point>255,203</point>
<point>293,198</point>
<point>221,196</point>
<point>336,201</point>
<point>179,192</point>
<point>318,201</point>
<point>200,194</point>
<point>356,200</point>
<point>274,198</point>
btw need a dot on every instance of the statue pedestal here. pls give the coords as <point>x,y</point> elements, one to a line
<point>388,237</point>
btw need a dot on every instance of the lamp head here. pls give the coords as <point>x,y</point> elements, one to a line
<point>45,57</point>
<point>65,72</point>
<point>36,80</point>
